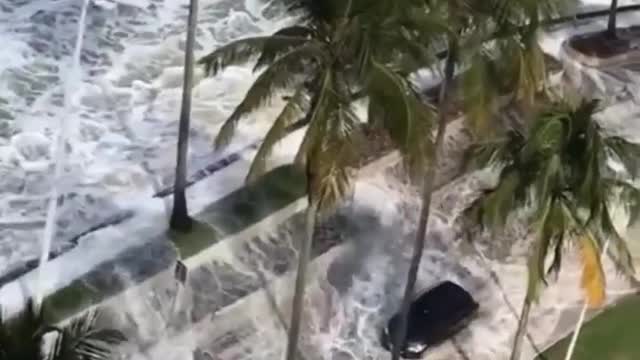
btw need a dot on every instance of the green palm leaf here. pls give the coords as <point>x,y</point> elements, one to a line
<point>629,197</point>
<point>320,107</point>
<point>286,72</point>
<point>537,260</point>
<point>18,335</point>
<point>619,252</point>
<point>244,50</point>
<point>333,160</point>
<point>480,97</point>
<point>626,152</point>
<point>396,106</point>
<point>502,200</point>
<point>498,152</point>
<point>84,339</point>
<point>390,89</point>
<point>274,47</point>
<point>294,108</point>
<point>22,337</point>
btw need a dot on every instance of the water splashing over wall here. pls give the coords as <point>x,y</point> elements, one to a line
<point>71,84</point>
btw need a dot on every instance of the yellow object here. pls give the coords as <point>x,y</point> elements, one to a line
<point>593,281</point>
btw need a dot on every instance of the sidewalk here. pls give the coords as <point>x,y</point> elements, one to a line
<point>279,193</point>
<point>226,232</point>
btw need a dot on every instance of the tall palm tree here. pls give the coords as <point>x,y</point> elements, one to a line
<point>343,51</point>
<point>427,191</point>
<point>613,16</point>
<point>471,25</point>
<point>557,175</point>
<point>23,337</point>
<point>180,219</point>
<point>504,57</point>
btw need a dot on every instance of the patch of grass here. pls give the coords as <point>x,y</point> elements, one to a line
<point>69,300</point>
<point>201,236</point>
<point>611,335</point>
<point>241,209</point>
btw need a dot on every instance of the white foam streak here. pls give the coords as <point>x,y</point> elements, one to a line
<point>72,81</point>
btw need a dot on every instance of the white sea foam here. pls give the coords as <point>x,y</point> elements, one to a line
<point>128,105</point>
<point>125,107</point>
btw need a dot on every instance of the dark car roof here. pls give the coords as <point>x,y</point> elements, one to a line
<point>437,309</point>
<point>445,295</point>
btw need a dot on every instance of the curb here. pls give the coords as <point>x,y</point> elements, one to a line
<point>105,283</point>
<point>595,62</point>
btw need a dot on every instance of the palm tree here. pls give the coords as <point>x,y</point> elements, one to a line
<point>557,175</point>
<point>472,24</point>
<point>613,16</point>
<point>180,219</point>
<point>343,51</point>
<point>504,57</point>
<point>23,337</point>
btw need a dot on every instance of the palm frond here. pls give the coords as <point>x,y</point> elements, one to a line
<point>557,245</point>
<point>499,202</point>
<point>333,160</point>
<point>497,151</point>
<point>531,74</point>
<point>18,335</point>
<point>589,190</point>
<point>626,152</point>
<point>363,53</point>
<point>547,231</point>
<point>317,119</point>
<point>84,339</point>
<point>567,224</point>
<point>562,160</point>
<point>294,108</point>
<point>244,50</point>
<point>547,135</point>
<point>275,47</point>
<point>618,252</point>
<point>282,74</point>
<point>405,117</point>
<point>548,181</point>
<point>593,279</point>
<point>480,88</point>
<point>629,197</point>
<point>420,147</point>
<point>389,89</point>
<point>317,11</point>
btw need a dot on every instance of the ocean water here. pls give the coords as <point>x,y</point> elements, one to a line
<point>124,110</point>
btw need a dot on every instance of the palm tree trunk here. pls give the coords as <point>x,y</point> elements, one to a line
<point>180,219</point>
<point>427,191</point>
<point>522,329</point>
<point>301,276</point>
<point>613,16</point>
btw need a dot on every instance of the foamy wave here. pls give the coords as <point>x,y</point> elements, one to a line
<point>123,126</point>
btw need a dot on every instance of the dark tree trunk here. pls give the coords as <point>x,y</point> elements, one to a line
<point>522,330</point>
<point>613,16</point>
<point>427,192</point>
<point>301,276</point>
<point>180,219</point>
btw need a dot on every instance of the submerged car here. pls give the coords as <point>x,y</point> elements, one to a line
<point>435,315</point>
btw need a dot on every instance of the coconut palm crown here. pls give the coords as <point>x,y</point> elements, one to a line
<point>23,337</point>
<point>566,174</point>
<point>326,64</point>
<point>336,56</point>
